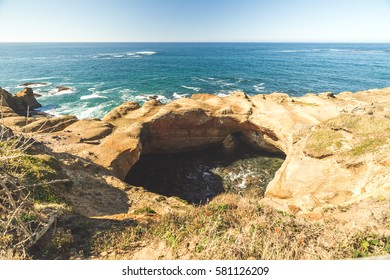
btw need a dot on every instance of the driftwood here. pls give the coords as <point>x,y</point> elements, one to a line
<point>16,203</point>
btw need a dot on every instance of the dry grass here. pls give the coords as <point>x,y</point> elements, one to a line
<point>349,136</point>
<point>234,227</point>
<point>23,184</point>
<point>323,143</point>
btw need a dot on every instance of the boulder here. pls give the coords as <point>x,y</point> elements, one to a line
<point>27,98</point>
<point>90,129</point>
<point>47,125</point>
<point>6,99</point>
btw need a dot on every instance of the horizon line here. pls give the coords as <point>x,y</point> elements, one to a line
<point>198,42</point>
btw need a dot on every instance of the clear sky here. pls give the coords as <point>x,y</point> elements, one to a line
<point>194,20</point>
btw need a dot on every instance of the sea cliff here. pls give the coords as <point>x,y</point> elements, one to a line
<point>336,148</point>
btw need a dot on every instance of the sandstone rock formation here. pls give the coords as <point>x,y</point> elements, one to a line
<point>336,146</point>
<point>19,102</point>
<point>27,98</point>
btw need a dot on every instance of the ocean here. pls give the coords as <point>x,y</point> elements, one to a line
<point>89,79</point>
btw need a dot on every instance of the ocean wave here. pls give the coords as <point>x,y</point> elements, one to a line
<point>259,87</point>
<point>178,96</point>
<point>109,90</point>
<point>147,97</point>
<point>205,80</point>
<point>127,94</point>
<point>146,53</point>
<point>197,89</point>
<point>62,90</point>
<point>127,91</point>
<point>298,51</point>
<point>223,94</point>
<point>223,83</point>
<point>36,79</point>
<point>127,55</point>
<point>92,96</point>
<point>33,85</point>
<point>82,111</point>
<point>115,56</point>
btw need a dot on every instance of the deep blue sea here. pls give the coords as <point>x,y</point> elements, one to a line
<point>101,76</point>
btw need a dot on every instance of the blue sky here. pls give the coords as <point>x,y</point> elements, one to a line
<point>195,20</point>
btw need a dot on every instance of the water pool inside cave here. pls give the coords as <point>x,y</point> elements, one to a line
<point>198,176</point>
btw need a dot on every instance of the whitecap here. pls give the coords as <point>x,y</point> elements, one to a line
<point>127,94</point>
<point>91,96</point>
<point>82,111</point>
<point>37,79</point>
<point>33,85</point>
<point>110,90</point>
<point>259,87</point>
<point>201,79</point>
<point>197,89</point>
<point>127,91</point>
<point>146,53</point>
<point>206,80</point>
<point>178,96</point>
<point>58,91</point>
<point>288,51</point>
<point>223,94</point>
<point>223,83</point>
<point>338,50</point>
<point>146,97</point>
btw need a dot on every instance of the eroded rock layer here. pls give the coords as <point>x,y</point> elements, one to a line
<point>337,147</point>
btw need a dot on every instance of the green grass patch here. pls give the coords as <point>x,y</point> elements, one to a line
<point>38,168</point>
<point>323,143</point>
<point>349,136</point>
<point>145,210</point>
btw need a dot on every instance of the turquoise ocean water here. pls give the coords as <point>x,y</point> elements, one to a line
<point>101,76</point>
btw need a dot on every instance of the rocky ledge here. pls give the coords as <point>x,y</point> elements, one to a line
<point>337,147</point>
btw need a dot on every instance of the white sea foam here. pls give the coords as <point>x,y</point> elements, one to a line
<point>146,53</point>
<point>178,96</point>
<point>223,94</point>
<point>110,90</point>
<point>58,91</point>
<point>146,97</point>
<point>127,91</point>
<point>127,94</point>
<point>259,87</point>
<point>222,83</point>
<point>91,96</point>
<point>36,79</point>
<point>83,110</point>
<point>127,55</point>
<point>33,85</point>
<point>197,89</point>
<point>205,80</point>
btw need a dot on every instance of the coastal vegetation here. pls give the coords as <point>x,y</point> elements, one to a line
<point>29,203</point>
<point>350,136</point>
<point>229,227</point>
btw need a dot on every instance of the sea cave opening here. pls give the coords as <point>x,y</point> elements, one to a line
<point>198,175</point>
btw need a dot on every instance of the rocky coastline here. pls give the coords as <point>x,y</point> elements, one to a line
<point>336,148</point>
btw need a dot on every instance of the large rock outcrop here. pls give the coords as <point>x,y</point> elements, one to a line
<point>21,102</point>
<point>336,146</point>
<point>27,98</point>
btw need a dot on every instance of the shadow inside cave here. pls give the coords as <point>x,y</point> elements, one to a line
<point>198,176</point>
